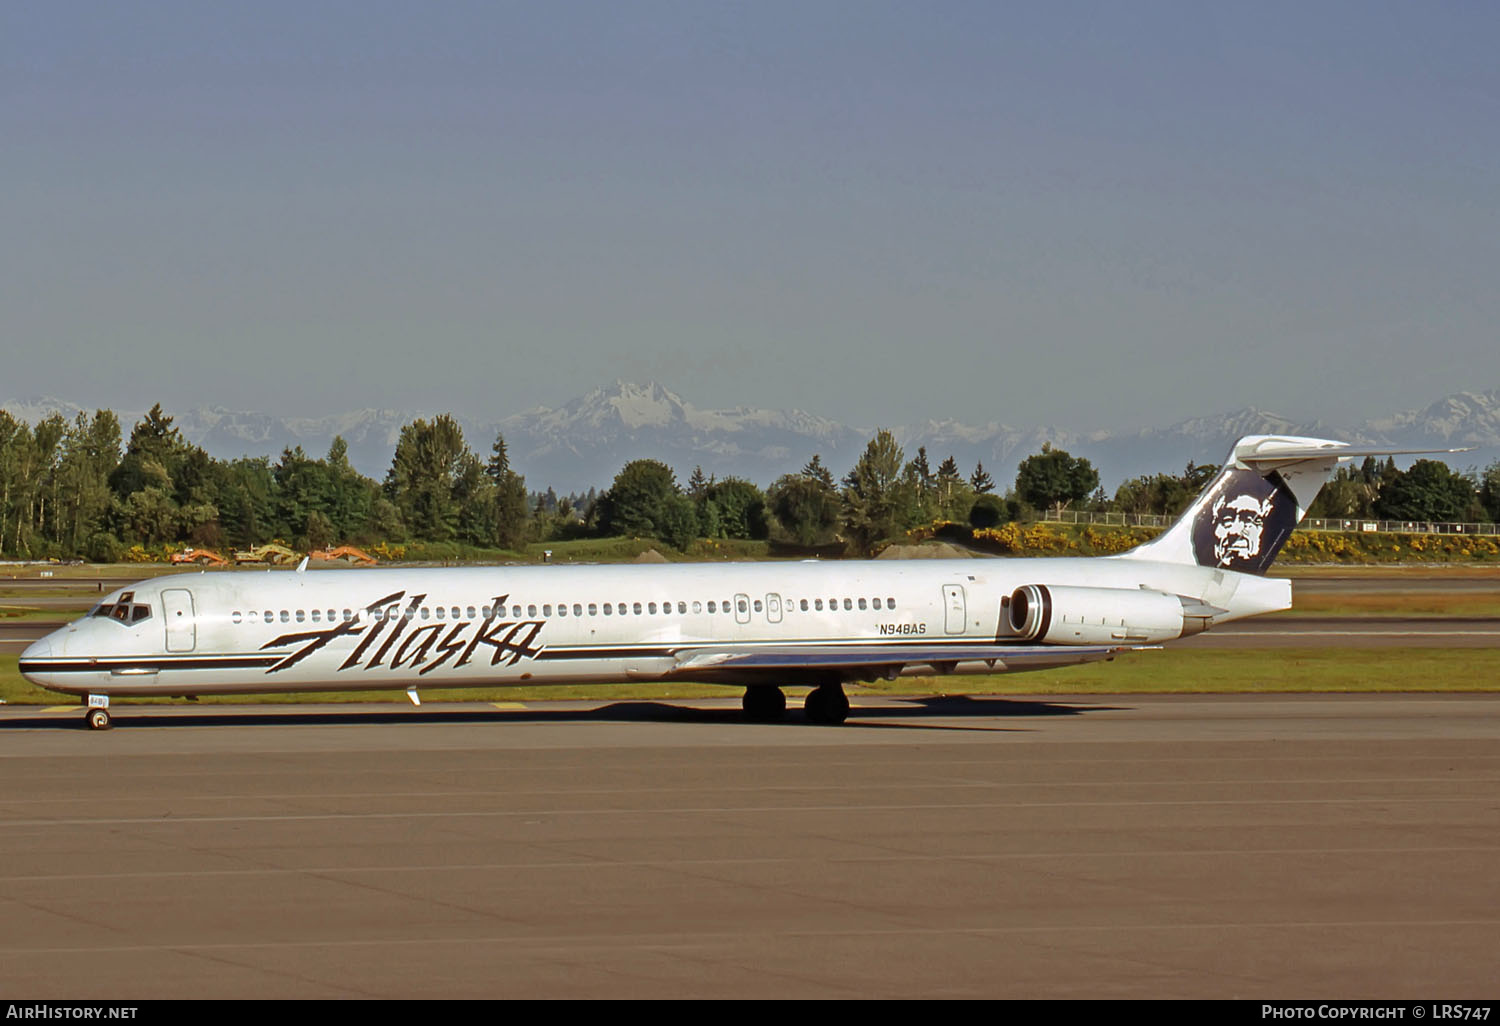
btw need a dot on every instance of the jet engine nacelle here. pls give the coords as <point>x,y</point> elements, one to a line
<point>1059,615</point>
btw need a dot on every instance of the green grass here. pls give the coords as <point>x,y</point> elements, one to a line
<point>52,614</point>
<point>1166,671</point>
<point>1393,603</point>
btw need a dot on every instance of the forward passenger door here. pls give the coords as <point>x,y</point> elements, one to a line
<point>182,630</point>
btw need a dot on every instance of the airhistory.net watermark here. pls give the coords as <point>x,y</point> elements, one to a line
<point>46,1010</point>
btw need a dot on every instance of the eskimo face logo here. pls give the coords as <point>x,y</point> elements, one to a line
<point>1244,522</point>
<point>1239,524</point>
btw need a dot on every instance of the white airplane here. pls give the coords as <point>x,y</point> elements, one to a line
<point>757,625</point>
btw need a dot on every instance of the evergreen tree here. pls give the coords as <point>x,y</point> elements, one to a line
<point>698,485</point>
<point>877,496</point>
<point>954,495</point>
<point>509,508</point>
<point>90,453</point>
<point>981,481</point>
<point>815,470</point>
<point>432,473</point>
<point>806,508</point>
<point>351,495</point>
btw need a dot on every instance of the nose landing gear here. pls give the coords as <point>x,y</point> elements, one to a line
<point>96,717</point>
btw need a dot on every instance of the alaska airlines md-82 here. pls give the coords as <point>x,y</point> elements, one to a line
<point>760,626</point>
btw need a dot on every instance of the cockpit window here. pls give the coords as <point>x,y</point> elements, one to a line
<point>126,610</point>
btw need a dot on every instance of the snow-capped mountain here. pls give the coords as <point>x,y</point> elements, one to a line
<point>585,442</point>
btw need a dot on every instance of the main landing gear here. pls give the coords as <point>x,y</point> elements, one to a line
<point>825,704</point>
<point>764,704</point>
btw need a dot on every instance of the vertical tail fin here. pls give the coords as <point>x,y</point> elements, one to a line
<point>1247,513</point>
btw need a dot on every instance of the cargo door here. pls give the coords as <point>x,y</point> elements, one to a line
<point>182,631</point>
<point>953,606</point>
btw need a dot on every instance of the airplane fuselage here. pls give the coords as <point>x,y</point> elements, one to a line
<point>228,632</point>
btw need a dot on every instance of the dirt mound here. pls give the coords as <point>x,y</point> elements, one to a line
<point>927,550</point>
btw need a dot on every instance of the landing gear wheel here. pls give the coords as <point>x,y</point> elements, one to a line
<point>763,704</point>
<point>826,705</point>
<point>97,719</point>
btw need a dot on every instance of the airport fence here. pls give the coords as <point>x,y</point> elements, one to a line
<point>1355,525</point>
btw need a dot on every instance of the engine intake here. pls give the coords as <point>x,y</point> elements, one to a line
<point>1062,615</point>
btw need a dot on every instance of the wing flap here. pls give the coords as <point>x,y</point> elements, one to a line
<point>888,660</point>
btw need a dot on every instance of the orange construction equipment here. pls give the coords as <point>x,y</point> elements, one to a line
<point>348,552</point>
<point>271,553</point>
<point>202,556</point>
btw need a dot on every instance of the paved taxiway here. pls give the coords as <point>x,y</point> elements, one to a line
<point>1103,846</point>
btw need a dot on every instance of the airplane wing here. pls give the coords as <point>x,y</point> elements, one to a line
<point>857,662</point>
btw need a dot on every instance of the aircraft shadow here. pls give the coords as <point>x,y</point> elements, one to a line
<point>902,714</point>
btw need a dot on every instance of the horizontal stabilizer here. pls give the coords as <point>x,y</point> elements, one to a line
<point>1266,450</point>
<point>1247,513</point>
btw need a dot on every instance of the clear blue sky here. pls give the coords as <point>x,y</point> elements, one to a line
<point>1086,214</point>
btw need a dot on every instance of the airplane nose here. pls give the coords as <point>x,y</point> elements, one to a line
<point>36,663</point>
